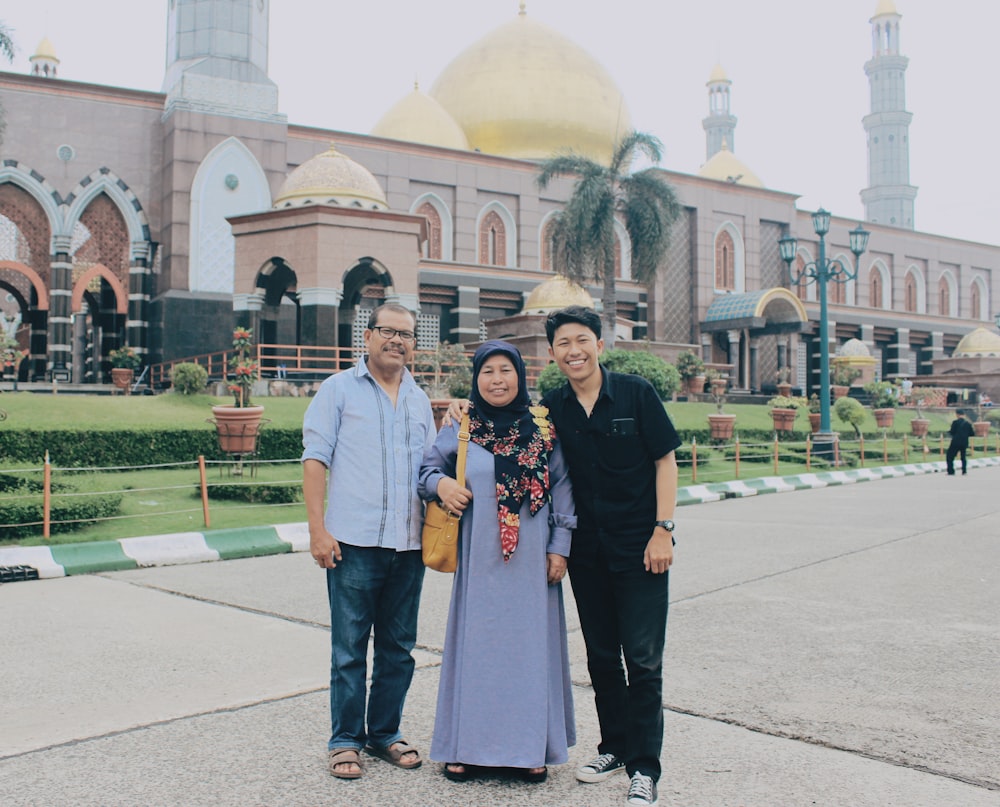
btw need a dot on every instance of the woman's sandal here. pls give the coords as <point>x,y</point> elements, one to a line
<point>456,772</point>
<point>346,756</point>
<point>534,776</point>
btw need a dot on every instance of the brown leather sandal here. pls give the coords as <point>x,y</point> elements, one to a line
<point>346,756</point>
<point>395,753</point>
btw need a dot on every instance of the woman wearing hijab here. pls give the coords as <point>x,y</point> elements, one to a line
<point>505,698</point>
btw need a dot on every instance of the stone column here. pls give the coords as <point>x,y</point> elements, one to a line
<point>754,380</point>
<point>465,316</point>
<point>60,348</point>
<point>900,354</point>
<point>140,290</point>
<point>734,359</point>
<point>320,316</point>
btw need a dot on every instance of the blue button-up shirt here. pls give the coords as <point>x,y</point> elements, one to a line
<point>372,451</point>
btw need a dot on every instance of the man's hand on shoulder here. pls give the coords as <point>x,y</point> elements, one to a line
<point>456,409</point>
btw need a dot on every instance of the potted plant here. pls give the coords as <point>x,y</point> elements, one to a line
<point>783,412</point>
<point>884,402</point>
<point>919,424</point>
<point>124,362</point>
<point>784,381</point>
<point>238,426</point>
<point>815,412</point>
<point>720,424</point>
<point>982,425</point>
<point>692,371</point>
<point>717,382</point>
<point>841,379</point>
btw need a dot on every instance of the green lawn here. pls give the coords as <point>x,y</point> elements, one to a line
<point>167,500</point>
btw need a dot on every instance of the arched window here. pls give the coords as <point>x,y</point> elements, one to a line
<point>802,289</point>
<point>836,293</point>
<point>493,238</point>
<point>944,297</point>
<point>432,249</point>
<point>725,270</point>
<point>875,288</point>
<point>975,303</point>
<point>910,302</point>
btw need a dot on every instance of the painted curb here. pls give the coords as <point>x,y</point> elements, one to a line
<point>62,560</point>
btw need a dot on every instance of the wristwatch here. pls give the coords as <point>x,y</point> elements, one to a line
<point>668,525</point>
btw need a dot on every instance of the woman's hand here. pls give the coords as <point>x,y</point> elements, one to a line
<point>556,568</point>
<point>455,411</point>
<point>453,495</point>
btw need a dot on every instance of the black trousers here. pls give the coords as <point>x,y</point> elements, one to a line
<point>949,457</point>
<point>623,614</point>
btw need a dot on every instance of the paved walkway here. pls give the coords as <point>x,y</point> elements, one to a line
<point>839,646</point>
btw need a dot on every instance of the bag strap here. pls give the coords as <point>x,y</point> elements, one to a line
<point>463,447</point>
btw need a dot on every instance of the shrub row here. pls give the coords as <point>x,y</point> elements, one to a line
<point>25,514</point>
<point>69,449</point>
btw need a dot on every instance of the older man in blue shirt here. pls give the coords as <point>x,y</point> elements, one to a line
<point>365,434</point>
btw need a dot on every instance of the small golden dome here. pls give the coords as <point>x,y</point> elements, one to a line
<point>555,293</point>
<point>885,7</point>
<point>331,178</point>
<point>724,166</point>
<point>853,347</point>
<point>418,118</point>
<point>526,91</point>
<point>45,50</point>
<point>718,75</point>
<point>980,342</point>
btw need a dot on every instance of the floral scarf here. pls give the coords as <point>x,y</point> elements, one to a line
<point>520,437</point>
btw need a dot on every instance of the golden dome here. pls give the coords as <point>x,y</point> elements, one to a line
<point>418,118</point>
<point>45,50</point>
<point>555,293</point>
<point>853,347</point>
<point>718,75</point>
<point>724,166</point>
<point>980,342</point>
<point>525,91</point>
<point>331,178</point>
<point>885,7</point>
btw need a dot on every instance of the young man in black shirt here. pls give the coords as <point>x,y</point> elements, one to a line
<point>619,445</point>
<point>961,432</point>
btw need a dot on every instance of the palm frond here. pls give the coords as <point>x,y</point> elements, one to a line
<point>650,206</point>
<point>6,42</point>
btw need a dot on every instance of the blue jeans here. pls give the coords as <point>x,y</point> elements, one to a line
<point>380,588</point>
<point>624,614</point>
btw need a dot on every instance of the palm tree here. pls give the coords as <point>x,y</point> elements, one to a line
<point>6,43</point>
<point>584,235</point>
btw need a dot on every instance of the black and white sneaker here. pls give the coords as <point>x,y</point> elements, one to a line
<point>642,790</point>
<point>599,768</point>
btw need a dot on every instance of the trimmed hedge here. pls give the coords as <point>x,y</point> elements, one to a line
<point>26,512</point>
<point>70,449</point>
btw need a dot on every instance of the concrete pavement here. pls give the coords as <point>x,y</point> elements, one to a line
<point>838,646</point>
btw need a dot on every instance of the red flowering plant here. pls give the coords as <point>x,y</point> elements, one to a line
<point>243,369</point>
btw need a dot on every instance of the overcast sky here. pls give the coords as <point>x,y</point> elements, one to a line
<point>797,66</point>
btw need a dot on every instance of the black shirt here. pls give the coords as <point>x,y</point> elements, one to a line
<point>611,458</point>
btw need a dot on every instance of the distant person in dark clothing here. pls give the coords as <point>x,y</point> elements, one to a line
<point>961,430</point>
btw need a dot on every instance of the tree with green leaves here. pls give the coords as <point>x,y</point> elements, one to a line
<point>584,231</point>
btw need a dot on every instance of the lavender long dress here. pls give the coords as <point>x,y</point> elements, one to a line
<point>505,698</point>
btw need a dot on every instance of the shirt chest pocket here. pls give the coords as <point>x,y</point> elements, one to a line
<point>621,452</point>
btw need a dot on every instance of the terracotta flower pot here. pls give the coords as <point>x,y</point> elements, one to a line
<point>784,419</point>
<point>721,426</point>
<point>719,385</point>
<point>814,421</point>
<point>884,418</point>
<point>918,426</point>
<point>238,428</point>
<point>982,428</point>
<point>122,377</point>
<point>785,389</point>
<point>839,391</point>
<point>696,385</point>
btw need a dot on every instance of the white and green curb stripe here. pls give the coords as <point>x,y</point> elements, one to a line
<point>60,560</point>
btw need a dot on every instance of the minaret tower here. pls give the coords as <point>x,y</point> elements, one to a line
<point>217,59</point>
<point>888,199</point>
<point>720,125</point>
<point>44,62</point>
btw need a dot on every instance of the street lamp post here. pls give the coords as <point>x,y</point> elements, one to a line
<point>821,272</point>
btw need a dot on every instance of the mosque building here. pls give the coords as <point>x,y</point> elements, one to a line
<point>162,219</point>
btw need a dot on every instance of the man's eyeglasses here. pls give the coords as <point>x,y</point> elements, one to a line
<point>389,333</point>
